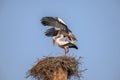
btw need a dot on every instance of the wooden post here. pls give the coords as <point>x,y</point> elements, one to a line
<point>60,74</point>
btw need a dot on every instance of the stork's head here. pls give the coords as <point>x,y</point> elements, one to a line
<point>72,36</point>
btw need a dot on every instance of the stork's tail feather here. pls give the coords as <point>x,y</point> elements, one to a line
<point>73,46</point>
<point>51,32</point>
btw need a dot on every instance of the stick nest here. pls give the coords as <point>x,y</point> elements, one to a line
<point>45,67</point>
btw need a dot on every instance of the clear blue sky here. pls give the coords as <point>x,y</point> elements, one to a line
<point>96,24</point>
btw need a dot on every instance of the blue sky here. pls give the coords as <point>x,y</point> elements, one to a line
<point>96,24</point>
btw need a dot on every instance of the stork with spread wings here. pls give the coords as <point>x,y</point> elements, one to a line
<point>58,31</point>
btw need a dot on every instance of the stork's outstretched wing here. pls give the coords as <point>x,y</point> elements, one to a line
<point>51,32</point>
<point>56,23</point>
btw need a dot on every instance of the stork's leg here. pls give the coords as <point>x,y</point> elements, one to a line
<point>66,50</point>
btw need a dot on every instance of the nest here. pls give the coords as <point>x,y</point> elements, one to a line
<point>45,67</point>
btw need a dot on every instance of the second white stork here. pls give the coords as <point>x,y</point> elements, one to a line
<point>65,44</point>
<point>58,26</point>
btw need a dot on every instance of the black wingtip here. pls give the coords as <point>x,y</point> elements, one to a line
<point>73,46</point>
<point>44,21</point>
<point>51,32</point>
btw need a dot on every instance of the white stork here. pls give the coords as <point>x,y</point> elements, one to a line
<point>58,26</point>
<point>58,31</point>
<point>65,44</point>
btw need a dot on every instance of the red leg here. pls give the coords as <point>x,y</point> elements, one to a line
<point>65,50</point>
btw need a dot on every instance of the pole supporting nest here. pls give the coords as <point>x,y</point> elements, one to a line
<point>60,74</point>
